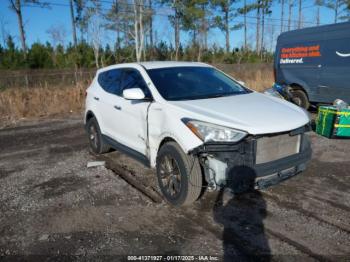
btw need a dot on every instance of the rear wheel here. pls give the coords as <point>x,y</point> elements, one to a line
<point>179,175</point>
<point>97,144</point>
<point>300,98</point>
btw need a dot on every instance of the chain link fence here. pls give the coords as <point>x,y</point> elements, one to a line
<point>44,78</point>
<point>256,76</point>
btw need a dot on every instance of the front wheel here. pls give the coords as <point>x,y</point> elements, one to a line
<point>179,175</point>
<point>300,98</point>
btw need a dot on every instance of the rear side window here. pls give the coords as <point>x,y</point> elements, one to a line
<point>133,79</point>
<point>110,81</point>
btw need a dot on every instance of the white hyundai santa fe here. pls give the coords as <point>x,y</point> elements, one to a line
<point>198,127</point>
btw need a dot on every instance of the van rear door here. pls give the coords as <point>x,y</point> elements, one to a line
<point>335,76</point>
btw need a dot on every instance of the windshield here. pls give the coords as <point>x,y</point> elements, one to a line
<point>188,83</point>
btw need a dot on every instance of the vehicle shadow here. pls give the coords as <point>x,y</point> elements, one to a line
<point>241,210</point>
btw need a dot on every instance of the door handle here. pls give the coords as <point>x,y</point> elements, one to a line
<point>118,107</point>
<point>96,98</point>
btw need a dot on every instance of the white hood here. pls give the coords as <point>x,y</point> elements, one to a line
<point>254,113</point>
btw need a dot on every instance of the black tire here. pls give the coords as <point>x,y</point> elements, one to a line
<point>187,176</point>
<point>97,145</point>
<point>300,98</point>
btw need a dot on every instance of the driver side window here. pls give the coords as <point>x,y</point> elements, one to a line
<point>133,79</point>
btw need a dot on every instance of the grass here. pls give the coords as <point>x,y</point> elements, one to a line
<point>256,76</point>
<point>53,99</point>
<point>19,103</point>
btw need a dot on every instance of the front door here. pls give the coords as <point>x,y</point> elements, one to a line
<point>131,123</point>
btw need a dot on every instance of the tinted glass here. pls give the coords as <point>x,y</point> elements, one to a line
<point>188,83</point>
<point>110,81</point>
<point>133,79</point>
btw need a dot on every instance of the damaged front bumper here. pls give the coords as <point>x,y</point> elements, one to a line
<point>239,165</point>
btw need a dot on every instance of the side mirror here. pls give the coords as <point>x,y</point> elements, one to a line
<point>241,83</point>
<point>133,94</point>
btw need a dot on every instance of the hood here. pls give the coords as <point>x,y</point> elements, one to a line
<point>254,113</point>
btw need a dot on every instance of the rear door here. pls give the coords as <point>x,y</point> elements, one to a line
<point>107,100</point>
<point>335,77</point>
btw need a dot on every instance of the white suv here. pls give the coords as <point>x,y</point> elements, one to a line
<point>197,126</point>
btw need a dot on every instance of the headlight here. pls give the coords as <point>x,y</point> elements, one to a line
<point>210,132</point>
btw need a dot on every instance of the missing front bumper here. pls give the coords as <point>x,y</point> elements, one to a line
<point>235,165</point>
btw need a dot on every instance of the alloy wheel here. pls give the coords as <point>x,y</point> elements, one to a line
<point>170,175</point>
<point>93,136</point>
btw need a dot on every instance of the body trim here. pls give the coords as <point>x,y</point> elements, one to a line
<point>127,150</point>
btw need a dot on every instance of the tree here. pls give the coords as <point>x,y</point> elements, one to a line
<point>16,6</point>
<point>81,17</point>
<point>318,4</point>
<point>347,11</point>
<point>299,14</point>
<point>139,32</point>
<point>290,9</point>
<point>11,58</point>
<point>196,21</point>
<point>150,18</point>
<point>94,19</point>
<point>119,19</point>
<point>223,21</point>
<point>176,19</point>
<point>282,15</point>
<point>336,6</point>
<point>57,34</point>
<point>244,11</point>
<point>265,10</point>
<point>3,30</point>
<point>258,16</point>
<point>39,56</point>
<point>74,29</point>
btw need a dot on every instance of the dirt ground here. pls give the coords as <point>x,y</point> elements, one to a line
<point>51,204</point>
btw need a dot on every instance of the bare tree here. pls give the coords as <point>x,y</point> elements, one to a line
<point>74,29</point>
<point>4,32</point>
<point>150,7</point>
<point>282,15</point>
<point>176,20</point>
<point>318,4</point>
<point>336,6</point>
<point>244,11</point>
<point>299,14</point>
<point>57,34</point>
<point>94,18</point>
<point>290,10</point>
<point>258,16</point>
<point>139,33</point>
<point>119,19</point>
<point>271,32</point>
<point>245,24</point>
<point>16,6</point>
<point>265,10</point>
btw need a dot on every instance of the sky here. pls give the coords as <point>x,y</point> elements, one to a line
<point>37,21</point>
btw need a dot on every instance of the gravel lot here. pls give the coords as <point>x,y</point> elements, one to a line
<point>51,204</point>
